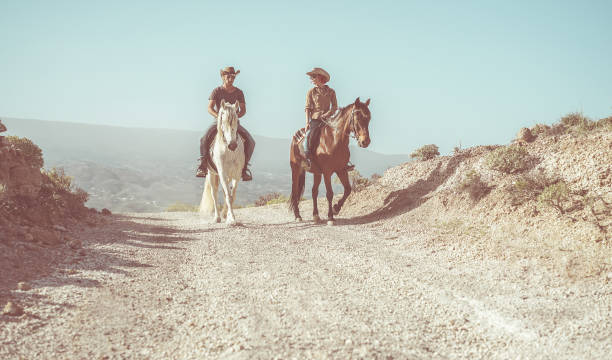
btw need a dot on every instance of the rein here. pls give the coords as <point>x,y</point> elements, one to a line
<point>353,130</point>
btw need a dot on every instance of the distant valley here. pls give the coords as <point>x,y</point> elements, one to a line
<point>146,170</point>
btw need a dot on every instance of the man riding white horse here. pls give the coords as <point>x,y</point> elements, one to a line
<point>230,94</point>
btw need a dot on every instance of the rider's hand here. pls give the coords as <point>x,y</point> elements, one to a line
<point>307,126</point>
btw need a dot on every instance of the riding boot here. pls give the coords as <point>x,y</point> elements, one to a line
<point>312,141</point>
<point>203,168</point>
<point>246,174</point>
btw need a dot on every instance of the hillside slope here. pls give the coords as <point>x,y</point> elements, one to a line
<point>571,233</point>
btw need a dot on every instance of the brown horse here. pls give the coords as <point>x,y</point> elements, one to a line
<point>331,156</point>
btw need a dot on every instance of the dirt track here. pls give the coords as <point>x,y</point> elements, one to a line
<point>165,286</point>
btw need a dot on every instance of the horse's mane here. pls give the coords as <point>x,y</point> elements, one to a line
<point>335,120</point>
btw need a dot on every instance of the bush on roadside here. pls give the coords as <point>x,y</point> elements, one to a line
<point>57,188</point>
<point>425,152</point>
<point>31,151</point>
<point>181,207</point>
<point>271,198</point>
<point>474,186</point>
<point>509,159</point>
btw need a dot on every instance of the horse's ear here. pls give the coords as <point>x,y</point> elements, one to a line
<point>357,101</point>
<point>367,103</point>
<point>222,102</point>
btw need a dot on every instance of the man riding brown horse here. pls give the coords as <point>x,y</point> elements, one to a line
<point>230,94</point>
<point>328,148</point>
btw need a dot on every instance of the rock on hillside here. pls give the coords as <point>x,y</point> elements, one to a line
<point>37,208</point>
<point>34,203</point>
<point>556,209</point>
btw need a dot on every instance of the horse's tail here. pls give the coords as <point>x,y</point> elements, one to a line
<point>298,181</point>
<point>207,204</point>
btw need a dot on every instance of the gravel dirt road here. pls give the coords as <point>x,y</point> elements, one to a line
<point>171,286</point>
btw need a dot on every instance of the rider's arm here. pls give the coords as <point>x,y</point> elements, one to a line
<point>308,108</point>
<point>242,110</point>
<point>211,108</point>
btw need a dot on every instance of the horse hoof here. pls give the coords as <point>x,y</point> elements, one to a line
<point>316,219</point>
<point>331,222</point>
<point>298,219</point>
<point>218,220</point>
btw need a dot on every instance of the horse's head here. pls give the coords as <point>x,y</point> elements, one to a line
<point>360,121</point>
<point>227,123</point>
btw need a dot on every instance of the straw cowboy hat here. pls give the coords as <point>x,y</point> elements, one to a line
<point>229,70</point>
<point>319,72</point>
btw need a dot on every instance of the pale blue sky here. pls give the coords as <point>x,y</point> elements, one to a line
<point>439,72</point>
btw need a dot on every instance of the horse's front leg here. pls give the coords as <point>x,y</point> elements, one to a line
<point>330,197</point>
<point>228,197</point>
<point>344,179</point>
<point>315,194</point>
<point>214,188</point>
<point>230,207</point>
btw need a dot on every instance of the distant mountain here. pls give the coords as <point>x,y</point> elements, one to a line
<point>134,169</point>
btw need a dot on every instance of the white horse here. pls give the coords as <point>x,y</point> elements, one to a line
<point>228,157</point>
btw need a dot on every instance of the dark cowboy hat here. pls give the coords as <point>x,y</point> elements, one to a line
<point>319,72</point>
<point>229,70</point>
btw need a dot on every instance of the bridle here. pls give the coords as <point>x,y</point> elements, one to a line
<point>353,132</point>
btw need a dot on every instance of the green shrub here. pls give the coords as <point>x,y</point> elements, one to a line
<point>271,198</point>
<point>509,160</point>
<point>31,151</point>
<point>59,179</point>
<point>529,186</point>
<point>59,190</point>
<point>279,200</point>
<point>181,206</point>
<point>474,186</point>
<point>555,195</point>
<point>425,152</point>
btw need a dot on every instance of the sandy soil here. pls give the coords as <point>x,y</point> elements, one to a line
<point>171,286</point>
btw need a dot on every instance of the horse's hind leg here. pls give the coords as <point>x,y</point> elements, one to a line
<point>297,187</point>
<point>344,179</point>
<point>315,193</point>
<point>330,198</point>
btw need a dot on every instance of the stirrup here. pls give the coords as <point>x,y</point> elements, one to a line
<point>202,170</point>
<point>246,175</point>
<point>201,173</point>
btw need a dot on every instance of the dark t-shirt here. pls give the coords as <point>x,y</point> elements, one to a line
<point>220,93</point>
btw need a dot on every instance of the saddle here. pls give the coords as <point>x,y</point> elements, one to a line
<point>299,136</point>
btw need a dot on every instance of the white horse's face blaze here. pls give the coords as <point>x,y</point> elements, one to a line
<point>361,124</point>
<point>228,124</point>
